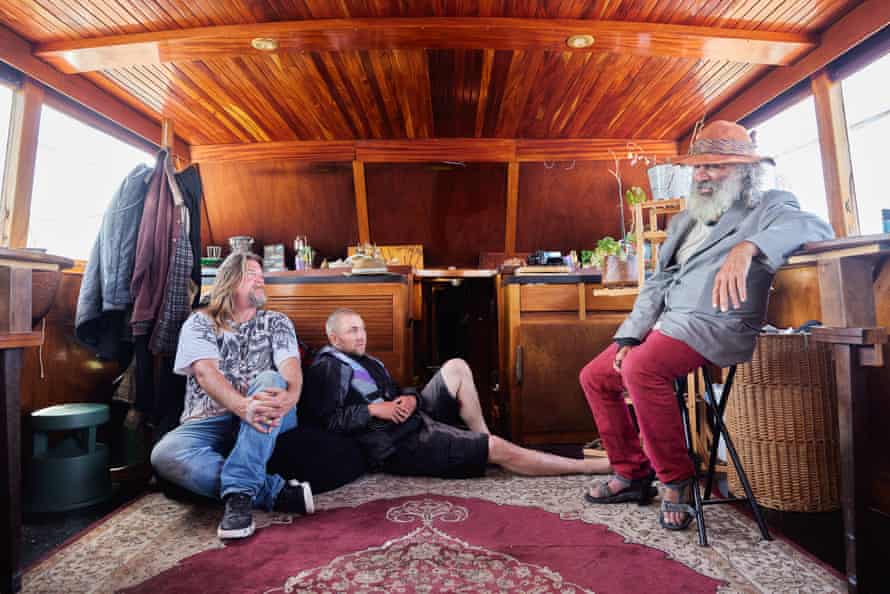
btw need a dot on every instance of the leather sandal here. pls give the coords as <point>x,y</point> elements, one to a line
<point>640,491</point>
<point>681,506</point>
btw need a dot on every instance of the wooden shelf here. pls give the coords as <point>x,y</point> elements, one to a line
<point>616,292</point>
<point>655,235</point>
<point>671,203</point>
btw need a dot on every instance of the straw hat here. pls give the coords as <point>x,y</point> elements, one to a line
<point>723,142</point>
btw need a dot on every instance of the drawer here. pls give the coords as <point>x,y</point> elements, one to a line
<point>548,298</point>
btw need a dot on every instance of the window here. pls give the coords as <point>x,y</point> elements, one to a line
<point>5,118</point>
<point>867,109</point>
<point>791,137</point>
<point>78,169</point>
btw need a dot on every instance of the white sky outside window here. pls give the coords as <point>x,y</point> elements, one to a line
<point>867,108</point>
<point>792,139</point>
<point>78,169</point>
<point>5,117</point>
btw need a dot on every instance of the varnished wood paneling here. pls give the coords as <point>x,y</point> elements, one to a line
<point>454,211</point>
<point>878,380</point>
<point>126,112</point>
<point>315,35</point>
<point>309,313</point>
<point>361,201</point>
<point>455,149</point>
<point>387,95</point>
<point>342,150</point>
<point>385,309</point>
<point>548,298</point>
<point>589,149</point>
<point>794,299</point>
<point>71,372</point>
<point>512,207</point>
<point>549,402</point>
<point>438,149</point>
<point>276,200</point>
<point>858,24</point>
<point>426,92</point>
<point>568,205</point>
<point>43,20</point>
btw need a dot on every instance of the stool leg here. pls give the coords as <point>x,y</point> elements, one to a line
<point>715,410</point>
<point>749,494</point>
<point>696,494</point>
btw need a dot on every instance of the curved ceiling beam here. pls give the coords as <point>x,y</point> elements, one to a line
<point>646,39</point>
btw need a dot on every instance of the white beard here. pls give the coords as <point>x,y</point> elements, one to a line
<point>708,209</point>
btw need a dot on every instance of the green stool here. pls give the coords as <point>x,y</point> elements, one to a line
<point>73,471</point>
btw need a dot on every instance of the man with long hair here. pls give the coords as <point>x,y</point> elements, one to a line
<point>439,431</point>
<point>705,303</point>
<point>244,381</point>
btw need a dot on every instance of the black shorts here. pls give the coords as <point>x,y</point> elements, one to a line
<point>440,447</point>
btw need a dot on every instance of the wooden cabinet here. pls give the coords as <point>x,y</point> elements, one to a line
<point>383,303</point>
<point>547,404</point>
<point>551,327</point>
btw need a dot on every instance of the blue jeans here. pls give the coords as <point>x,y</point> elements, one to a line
<point>223,454</point>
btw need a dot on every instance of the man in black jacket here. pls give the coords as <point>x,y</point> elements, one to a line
<point>402,431</point>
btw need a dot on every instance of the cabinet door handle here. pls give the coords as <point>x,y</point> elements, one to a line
<point>519,365</point>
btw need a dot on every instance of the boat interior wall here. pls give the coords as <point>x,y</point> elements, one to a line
<point>567,205</point>
<point>277,199</point>
<point>878,389</point>
<point>795,300</point>
<point>71,373</point>
<point>456,211</point>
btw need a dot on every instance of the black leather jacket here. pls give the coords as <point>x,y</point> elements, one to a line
<point>328,401</point>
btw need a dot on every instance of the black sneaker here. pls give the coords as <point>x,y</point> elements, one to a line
<point>237,520</point>
<point>295,498</point>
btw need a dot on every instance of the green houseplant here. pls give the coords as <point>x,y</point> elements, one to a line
<point>619,270</point>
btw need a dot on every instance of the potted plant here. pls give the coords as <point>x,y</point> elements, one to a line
<point>618,266</point>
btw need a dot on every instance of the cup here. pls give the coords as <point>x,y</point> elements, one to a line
<point>214,251</point>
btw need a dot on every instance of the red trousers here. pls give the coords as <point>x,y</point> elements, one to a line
<point>648,372</point>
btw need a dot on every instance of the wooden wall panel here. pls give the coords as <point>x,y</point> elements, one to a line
<point>878,382</point>
<point>454,212</point>
<point>71,372</point>
<point>42,20</point>
<point>564,208</point>
<point>275,200</point>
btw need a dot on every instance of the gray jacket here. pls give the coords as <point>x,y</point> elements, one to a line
<point>106,281</point>
<point>680,296</point>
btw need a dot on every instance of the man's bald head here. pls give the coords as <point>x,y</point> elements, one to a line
<point>346,331</point>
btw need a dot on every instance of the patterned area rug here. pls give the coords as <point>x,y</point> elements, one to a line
<point>382,533</point>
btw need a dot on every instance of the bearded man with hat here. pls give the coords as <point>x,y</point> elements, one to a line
<point>705,303</point>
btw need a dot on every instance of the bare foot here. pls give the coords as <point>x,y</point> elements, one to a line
<point>597,466</point>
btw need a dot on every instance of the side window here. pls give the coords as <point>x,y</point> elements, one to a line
<point>791,137</point>
<point>867,109</point>
<point>5,117</point>
<point>78,169</point>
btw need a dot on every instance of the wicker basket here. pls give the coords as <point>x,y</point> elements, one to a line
<point>782,417</point>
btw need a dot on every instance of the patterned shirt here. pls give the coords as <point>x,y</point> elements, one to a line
<point>262,343</point>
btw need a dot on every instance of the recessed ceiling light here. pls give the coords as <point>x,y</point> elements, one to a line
<point>265,44</point>
<point>579,41</point>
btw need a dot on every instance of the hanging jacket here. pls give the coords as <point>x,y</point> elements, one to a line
<point>153,247</point>
<point>189,180</point>
<point>181,291</point>
<point>100,321</point>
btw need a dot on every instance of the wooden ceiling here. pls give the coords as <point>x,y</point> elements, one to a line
<point>427,71</point>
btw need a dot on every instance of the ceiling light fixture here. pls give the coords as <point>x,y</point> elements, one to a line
<point>264,44</point>
<point>579,41</point>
